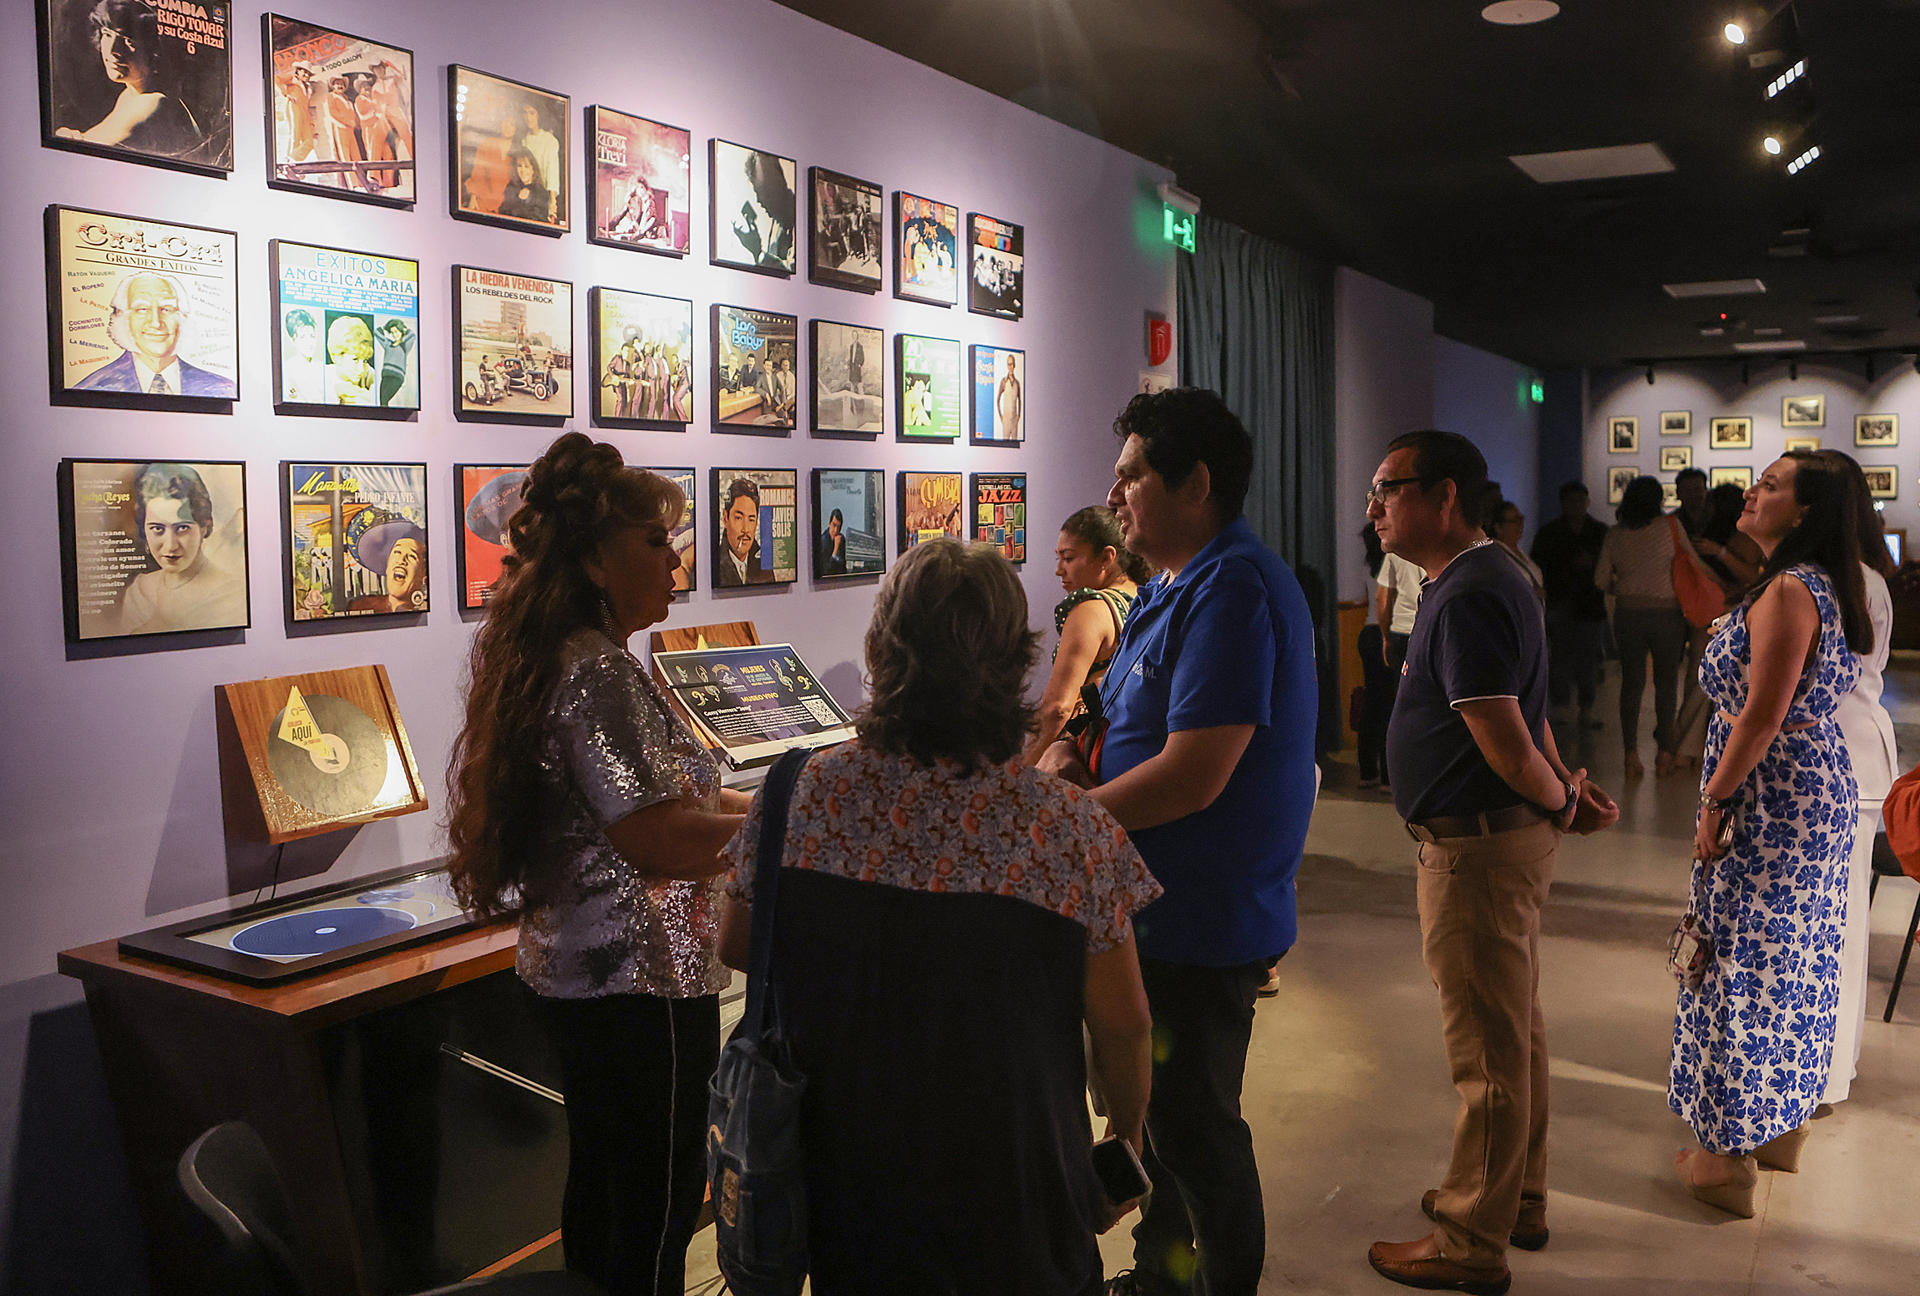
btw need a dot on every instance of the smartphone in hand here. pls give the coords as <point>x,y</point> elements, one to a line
<point>1122,1177</point>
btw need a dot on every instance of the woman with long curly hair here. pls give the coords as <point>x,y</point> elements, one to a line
<point>580,799</point>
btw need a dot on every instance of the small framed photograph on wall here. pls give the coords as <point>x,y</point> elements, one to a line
<point>847,239</point>
<point>1674,458</point>
<point>1883,480</point>
<point>1669,494</point>
<point>1623,435</point>
<point>1676,423</point>
<point>925,250</point>
<point>639,183</point>
<point>756,517</point>
<point>510,148</point>
<point>1803,411</point>
<point>752,208</point>
<point>849,522</point>
<point>1876,429</point>
<point>1618,479</point>
<point>1802,443</point>
<point>340,114</point>
<point>1741,477</point>
<point>1731,432</point>
<point>139,82</point>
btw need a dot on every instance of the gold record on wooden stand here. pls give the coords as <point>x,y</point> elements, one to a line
<point>305,754</point>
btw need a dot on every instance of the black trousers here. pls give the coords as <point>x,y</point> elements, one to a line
<point>1382,687</point>
<point>1203,1229</point>
<point>635,1068</point>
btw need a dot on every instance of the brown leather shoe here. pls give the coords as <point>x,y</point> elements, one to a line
<point>1420,1264</point>
<point>1525,1239</point>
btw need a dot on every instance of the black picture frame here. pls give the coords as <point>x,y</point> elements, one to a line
<point>780,340</point>
<point>989,392</point>
<point>1001,245</point>
<point>420,599</point>
<point>68,487</point>
<point>951,512</point>
<point>988,494</point>
<point>472,399</point>
<point>67,52</point>
<point>721,481</point>
<point>870,538</point>
<point>688,480</point>
<point>910,363</point>
<point>854,230</point>
<point>495,508</point>
<point>464,84</point>
<point>825,344</point>
<point>282,172</point>
<point>134,254</point>
<point>919,221</point>
<point>724,159</point>
<point>601,186</point>
<point>291,396</point>
<point>599,302</point>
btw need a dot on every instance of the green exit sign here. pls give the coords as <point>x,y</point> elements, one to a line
<point>1537,391</point>
<point>1178,227</point>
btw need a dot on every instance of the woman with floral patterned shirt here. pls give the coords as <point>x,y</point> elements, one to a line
<point>948,918</point>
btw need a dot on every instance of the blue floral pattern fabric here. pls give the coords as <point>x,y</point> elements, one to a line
<point>1751,1046</point>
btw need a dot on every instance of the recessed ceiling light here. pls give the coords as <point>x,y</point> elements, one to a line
<point>1518,13</point>
<point>1772,144</point>
<point>1735,33</point>
<point>1715,288</point>
<point>1609,163</point>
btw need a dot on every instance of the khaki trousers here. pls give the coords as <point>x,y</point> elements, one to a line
<point>1480,900</point>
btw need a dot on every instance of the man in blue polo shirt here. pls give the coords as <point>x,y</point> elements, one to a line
<point>1208,763</point>
<point>1482,788</point>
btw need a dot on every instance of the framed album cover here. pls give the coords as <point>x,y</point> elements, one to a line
<point>1676,423</point>
<point>999,395</point>
<point>849,379</point>
<point>639,183</point>
<point>139,81</point>
<point>143,312</point>
<point>340,114</point>
<point>849,522</point>
<point>996,283</point>
<point>514,347</point>
<point>1000,513</point>
<point>928,372</point>
<point>642,358</point>
<point>509,150</point>
<point>931,506</point>
<point>846,239</point>
<point>925,259</point>
<point>346,328</point>
<point>153,547</point>
<point>688,576</point>
<point>753,379</point>
<point>753,208</point>
<point>488,496</point>
<point>356,536</point>
<point>756,524</point>
<point>1673,458</point>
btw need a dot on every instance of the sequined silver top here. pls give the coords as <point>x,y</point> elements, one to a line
<point>610,747</point>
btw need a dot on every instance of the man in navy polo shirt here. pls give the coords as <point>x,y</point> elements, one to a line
<point>1208,764</point>
<point>1477,778</point>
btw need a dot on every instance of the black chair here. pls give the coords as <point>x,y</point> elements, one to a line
<point>228,1176</point>
<point>1887,864</point>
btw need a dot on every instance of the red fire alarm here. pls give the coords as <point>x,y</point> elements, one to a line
<point>1159,339</point>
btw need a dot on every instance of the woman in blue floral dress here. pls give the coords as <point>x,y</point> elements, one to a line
<point>1751,1046</point>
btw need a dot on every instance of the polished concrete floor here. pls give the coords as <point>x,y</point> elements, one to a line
<point>1351,1110</point>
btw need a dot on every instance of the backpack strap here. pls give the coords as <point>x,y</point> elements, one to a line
<point>775,796</point>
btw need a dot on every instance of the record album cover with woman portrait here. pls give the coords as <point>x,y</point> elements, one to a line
<point>144,311</point>
<point>514,353</point>
<point>999,395</point>
<point>153,547</point>
<point>346,328</point>
<point>639,182</point>
<point>753,209</point>
<point>847,234</point>
<point>356,539</point>
<point>139,80</point>
<point>925,243</point>
<point>642,358</point>
<point>756,515</point>
<point>510,149</point>
<point>340,114</point>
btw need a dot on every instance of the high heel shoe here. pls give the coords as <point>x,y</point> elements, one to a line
<point>1783,1153</point>
<point>1735,1196</point>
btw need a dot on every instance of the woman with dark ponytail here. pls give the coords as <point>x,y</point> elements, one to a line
<point>579,799</point>
<point>1101,577</point>
<point>1754,1033</point>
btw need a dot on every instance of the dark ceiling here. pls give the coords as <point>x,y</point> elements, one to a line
<point>1376,133</point>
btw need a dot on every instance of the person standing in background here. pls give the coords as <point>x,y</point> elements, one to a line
<point>1568,551</point>
<point>1396,604</point>
<point>1380,681</point>
<point>1636,567</point>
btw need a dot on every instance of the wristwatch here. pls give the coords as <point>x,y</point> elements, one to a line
<point>1573,799</point>
<point>1722,804</point>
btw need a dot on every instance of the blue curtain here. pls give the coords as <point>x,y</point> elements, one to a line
<point>1256,326</point>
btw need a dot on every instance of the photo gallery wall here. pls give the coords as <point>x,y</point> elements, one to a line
<point>146,311</point>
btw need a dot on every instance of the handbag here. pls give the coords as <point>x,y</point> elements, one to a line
<point>1690,950</point>
<point>754,1174</point>
<point>1701,598</point>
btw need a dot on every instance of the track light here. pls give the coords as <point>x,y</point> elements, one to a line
<point>1872,369</point>
<point>1805,160</point>
<point>1793,73</point>
<point>1772,145</point>
<point>1793,371</point>
<point>1746,372</point>
<point>1649,375</point>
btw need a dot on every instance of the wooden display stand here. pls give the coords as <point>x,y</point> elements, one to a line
<point>184,1051</point>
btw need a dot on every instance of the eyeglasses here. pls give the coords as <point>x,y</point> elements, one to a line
<point>1382,491</point>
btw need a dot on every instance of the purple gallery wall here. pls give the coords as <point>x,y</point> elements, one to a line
<point>111,795</point>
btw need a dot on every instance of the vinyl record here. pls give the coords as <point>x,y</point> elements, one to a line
<point>320,931</point>
<point>342,782</point>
